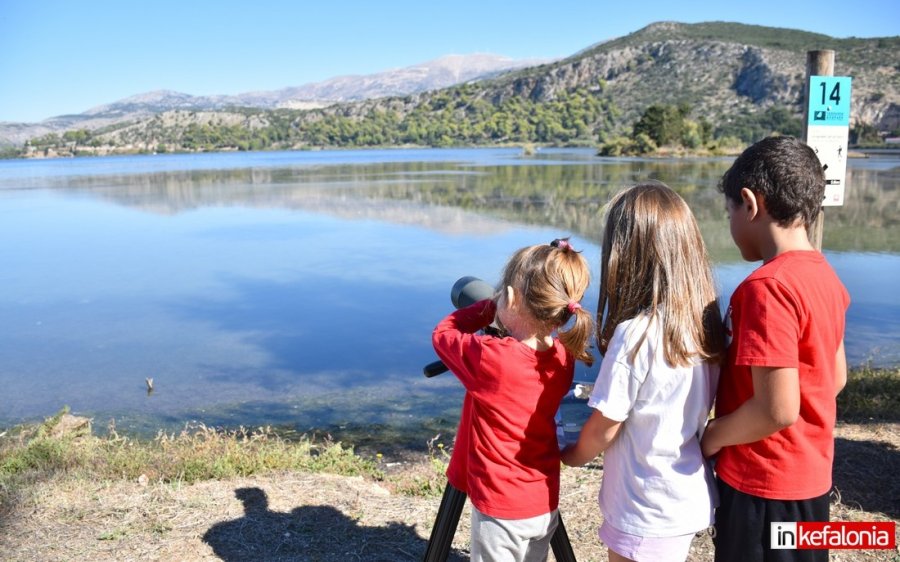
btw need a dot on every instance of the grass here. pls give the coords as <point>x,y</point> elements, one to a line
<point>430,482</point>
<point>870,395</point>
<point>65,444</point>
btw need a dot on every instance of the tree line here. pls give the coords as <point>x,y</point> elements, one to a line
<point>460,116</point>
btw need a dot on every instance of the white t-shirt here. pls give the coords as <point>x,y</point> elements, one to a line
<point>655,480</point>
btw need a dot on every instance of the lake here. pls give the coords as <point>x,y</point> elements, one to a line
<point>300,289</point>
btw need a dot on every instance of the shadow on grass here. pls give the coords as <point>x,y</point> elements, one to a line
<point>865,475</point>
<point>310,532</point>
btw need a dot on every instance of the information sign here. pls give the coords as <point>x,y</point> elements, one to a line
<point>827,131</point>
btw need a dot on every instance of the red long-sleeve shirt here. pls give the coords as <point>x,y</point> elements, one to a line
<point>506,457</point>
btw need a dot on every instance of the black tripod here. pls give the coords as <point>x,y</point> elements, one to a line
<point>452,504</point>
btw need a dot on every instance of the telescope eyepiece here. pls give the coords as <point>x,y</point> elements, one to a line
<point>468,290</point>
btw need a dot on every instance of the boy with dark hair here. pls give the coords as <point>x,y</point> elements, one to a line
<point>785,365</point>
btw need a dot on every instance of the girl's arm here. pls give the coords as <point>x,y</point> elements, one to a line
<point>596,436</point>
<point>456,343</point>
<point>774,406</point>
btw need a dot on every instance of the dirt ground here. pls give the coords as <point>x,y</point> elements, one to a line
<point>320,517</point>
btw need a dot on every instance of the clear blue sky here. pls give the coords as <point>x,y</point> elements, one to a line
<point>66,56</point>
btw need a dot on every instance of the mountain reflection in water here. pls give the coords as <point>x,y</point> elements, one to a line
<point>301,288</point>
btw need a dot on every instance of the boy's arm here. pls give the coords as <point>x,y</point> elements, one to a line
<point>840,369</point>
<point>774,406</point>
<point>596,436</point>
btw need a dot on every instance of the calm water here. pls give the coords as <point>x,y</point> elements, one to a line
<point>301,288</point>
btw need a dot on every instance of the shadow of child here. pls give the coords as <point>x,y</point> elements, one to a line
<point>316,532</point>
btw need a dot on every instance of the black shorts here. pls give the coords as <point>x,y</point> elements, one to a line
<point>742,526</point>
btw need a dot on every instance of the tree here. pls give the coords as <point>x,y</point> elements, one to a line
<point>81,136</point>
<point>752,127</point>
<point>662,123</point>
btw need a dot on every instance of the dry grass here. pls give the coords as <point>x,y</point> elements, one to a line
<point>385,515</point>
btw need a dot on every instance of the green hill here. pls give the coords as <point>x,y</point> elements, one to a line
<point>740,80</point>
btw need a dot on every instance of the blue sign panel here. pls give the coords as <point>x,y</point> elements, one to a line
<point>829,100</point>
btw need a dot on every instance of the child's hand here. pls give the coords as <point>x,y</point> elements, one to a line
<point>707,445</point>
<point>708,451</point>
<point>565,454</point>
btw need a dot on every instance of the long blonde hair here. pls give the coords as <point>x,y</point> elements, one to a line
<point>552,279</point>
<point>655,263</point>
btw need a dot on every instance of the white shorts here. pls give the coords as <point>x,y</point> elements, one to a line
<point>519,540</point>
<point>646,549</point>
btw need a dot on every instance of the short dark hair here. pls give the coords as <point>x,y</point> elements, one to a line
<point>786,172</point>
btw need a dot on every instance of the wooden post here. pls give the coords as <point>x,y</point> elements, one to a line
<point>818,63</point>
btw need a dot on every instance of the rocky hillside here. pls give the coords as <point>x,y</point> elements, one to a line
<point>721,70</point>
<point>727,73</point>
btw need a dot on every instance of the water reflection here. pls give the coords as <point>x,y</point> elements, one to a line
<point>564,190</point>
<point>303,287</point>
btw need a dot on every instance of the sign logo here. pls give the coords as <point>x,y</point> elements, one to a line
<point>810,535</point>
<point>818,116</point>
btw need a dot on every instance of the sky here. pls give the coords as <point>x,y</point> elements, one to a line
<point>62,57</point>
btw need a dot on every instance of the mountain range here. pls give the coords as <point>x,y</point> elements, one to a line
<point>434,74</point>
<point>726,73</point>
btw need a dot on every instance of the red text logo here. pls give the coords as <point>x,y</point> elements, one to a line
<point>858,535</point>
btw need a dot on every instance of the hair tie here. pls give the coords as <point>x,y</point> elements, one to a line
<point>573,306</point>
<point>562,244</point>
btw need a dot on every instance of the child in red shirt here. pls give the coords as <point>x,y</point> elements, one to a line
<point>785,364</point>
<point>506,456</point>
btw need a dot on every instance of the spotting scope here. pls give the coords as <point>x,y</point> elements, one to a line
<point>466,291</point>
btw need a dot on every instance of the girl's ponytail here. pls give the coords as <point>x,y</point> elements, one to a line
<point>573,280</point>
<point>552,279</point>
<point>577,339</point>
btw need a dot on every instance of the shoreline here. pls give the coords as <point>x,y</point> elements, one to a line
<point>871,395</point>
<point>528,149</point>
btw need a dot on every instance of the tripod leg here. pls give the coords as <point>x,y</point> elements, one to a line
<point>445,523</point>
<point>562,548</point>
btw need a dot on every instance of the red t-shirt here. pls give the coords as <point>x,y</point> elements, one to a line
<point>506,457</point>
<point>788,313</point>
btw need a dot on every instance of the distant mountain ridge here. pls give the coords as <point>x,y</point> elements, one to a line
<point>434,74</point>
<point>727,73</point>
<point>438,73</point>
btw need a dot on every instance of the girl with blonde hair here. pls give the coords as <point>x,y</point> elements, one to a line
<point>661,336</point>
<point>506,455</point>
